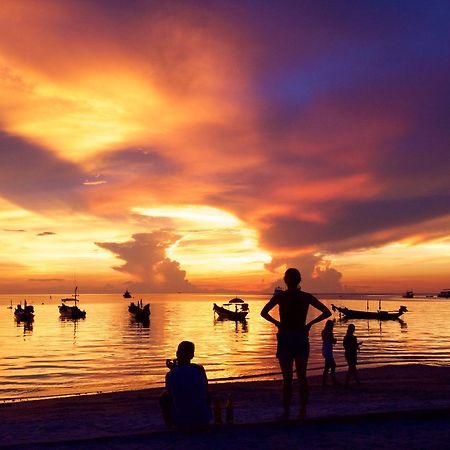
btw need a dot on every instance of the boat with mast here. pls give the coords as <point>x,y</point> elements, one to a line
<point>139,311</point>
<point>379,314</point>
<point>25,313</point>
<point>71,312</point>
<point>236,309</point>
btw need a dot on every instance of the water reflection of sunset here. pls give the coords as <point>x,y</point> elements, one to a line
<point>109,350</point>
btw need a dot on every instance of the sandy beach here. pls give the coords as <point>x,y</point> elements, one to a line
<point>406,406</point>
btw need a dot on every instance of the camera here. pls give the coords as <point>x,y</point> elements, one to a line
<point>171,363</point>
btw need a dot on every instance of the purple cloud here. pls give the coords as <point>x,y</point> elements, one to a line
<point>349,225</point>
<point>36,179</point>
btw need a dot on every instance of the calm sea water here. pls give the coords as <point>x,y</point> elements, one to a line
<point>109,351</point>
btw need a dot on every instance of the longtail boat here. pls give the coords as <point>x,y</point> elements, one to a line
<point>25,314</point>
<point>71,312</point>
<point>236,309</point>
<point>379,314</point>
<point>140,311</point>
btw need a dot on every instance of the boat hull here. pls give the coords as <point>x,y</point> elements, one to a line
<point>24,317</point>
<point>24,314</point>
<point>140,314</point>
<point>224,313</point>
<point>378,315</point>
<point>71,312</point>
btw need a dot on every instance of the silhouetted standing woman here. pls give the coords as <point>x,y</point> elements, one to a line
<point>292,335</point>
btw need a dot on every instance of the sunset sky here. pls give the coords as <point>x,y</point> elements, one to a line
<point>207,145</point>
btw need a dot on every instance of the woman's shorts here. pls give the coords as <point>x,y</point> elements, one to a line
<point>292,345</point>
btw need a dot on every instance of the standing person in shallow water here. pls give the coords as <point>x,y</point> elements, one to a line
<point>351,346</point>
<point>328,341</point>
<point>292,335</point>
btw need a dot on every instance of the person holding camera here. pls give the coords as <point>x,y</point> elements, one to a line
<point>186,403</point>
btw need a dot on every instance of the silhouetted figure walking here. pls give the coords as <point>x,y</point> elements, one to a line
<point>328,341</point>
<point>186,403</point>
<point>292,335</point>
<point>351,346</point>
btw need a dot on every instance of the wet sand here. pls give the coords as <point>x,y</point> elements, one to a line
<point>404,406</point>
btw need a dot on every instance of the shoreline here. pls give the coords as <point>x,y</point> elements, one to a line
<point>387,390</point>
<point>264,377</point>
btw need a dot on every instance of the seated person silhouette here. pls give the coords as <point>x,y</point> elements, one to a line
<point>186,402</point>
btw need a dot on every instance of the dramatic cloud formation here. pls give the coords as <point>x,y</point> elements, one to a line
<point>317,275</point>
<point>146,261</point>
<point>316,132</point>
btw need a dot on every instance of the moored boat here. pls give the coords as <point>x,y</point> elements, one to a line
<point>445,293</point>
<point>379,314</point>
<point>236,309</point>
<point>71,312</point>
<point>25,314</point>
<point>140,311</point>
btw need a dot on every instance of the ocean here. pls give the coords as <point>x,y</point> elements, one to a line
<point>108,351</point>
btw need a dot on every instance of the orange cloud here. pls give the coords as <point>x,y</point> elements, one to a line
<point>78,89</point>
<point>125,114</point>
